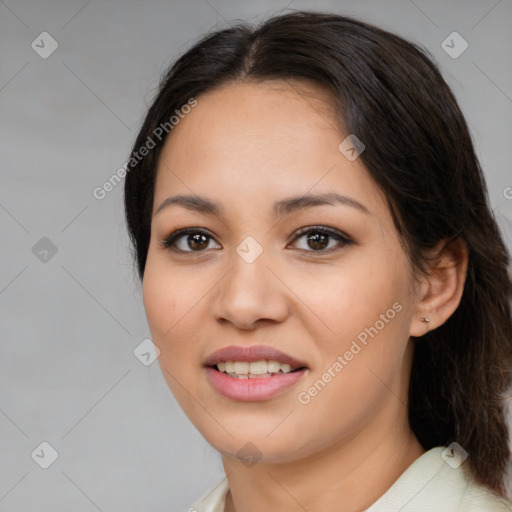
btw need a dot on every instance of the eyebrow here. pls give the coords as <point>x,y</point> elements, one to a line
<point>280,208</point>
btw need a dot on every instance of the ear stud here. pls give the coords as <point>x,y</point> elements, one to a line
<point>426,320</point>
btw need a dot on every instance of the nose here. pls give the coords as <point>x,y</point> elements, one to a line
<point>249,294</point>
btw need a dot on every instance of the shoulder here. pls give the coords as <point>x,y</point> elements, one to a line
<point>213,499</point>
<point>434,482</point>
<point>478,498</point>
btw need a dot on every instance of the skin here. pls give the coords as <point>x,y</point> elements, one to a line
<point>246,146</point>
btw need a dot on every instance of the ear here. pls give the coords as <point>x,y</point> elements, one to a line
<point>441,290</point>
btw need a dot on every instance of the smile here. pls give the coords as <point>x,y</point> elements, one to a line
<point>253,370</point>
<point>249,387</point>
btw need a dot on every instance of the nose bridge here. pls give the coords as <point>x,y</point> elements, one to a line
<point>250,291</point>
<point>250,250</point>
<point>248,278</point>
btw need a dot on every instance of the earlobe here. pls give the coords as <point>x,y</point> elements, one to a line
<point>442,289</point>
<point>426,319</point>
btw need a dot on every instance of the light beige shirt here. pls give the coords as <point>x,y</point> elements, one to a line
<point>429,484</point>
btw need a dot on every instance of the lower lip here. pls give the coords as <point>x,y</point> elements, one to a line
<point>252,390</point>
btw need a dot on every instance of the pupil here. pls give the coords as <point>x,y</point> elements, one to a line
<point>315,239</point>
<point>199,239</point>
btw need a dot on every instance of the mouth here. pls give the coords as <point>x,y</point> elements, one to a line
<point>253,373</point>
<point>253,362</point>
<point>263,369</point>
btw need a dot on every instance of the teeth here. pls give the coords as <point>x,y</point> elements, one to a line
<point>257,367</point>
<point>252,370</point>
<point>273,366</point>
<point>241,368</point>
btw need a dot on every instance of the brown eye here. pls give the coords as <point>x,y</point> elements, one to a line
<point>197,241</point>
<point>187,240</point>
<point>318,239</point>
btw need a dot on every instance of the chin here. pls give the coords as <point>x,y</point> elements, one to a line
<point>255,443</point>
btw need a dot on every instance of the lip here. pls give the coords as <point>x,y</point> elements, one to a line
<point>252,390</point>
<point>251,354</point>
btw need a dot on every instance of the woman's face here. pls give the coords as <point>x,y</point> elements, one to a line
<point>340,300</point>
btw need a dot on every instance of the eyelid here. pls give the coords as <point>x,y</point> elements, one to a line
<point>167,241</point>
<point>338,235</point>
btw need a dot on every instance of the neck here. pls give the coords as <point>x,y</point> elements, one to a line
<point>354,473</point>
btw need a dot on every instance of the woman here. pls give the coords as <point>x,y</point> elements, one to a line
<point>322,272</point>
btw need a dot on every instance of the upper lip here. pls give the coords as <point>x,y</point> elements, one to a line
<point>251,354</point>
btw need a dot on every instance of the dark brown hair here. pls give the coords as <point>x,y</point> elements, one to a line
<point>419,151</point>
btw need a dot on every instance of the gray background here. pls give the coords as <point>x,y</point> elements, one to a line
<point>69,324</point>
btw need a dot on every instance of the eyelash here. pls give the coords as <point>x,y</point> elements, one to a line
<point>168,241</point>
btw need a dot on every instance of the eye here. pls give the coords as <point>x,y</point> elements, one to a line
<point>197,239</point>
<point>317,239</point>
<point>187,240</point>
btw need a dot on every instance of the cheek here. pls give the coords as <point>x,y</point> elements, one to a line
<point>348,298</point>
<point>364,309</point>
<point>361,373</point>
<point>168,299</point>
<point>167,292</point>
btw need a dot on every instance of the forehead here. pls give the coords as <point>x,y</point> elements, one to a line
<point>278,137</point>
<point>243,115</point>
